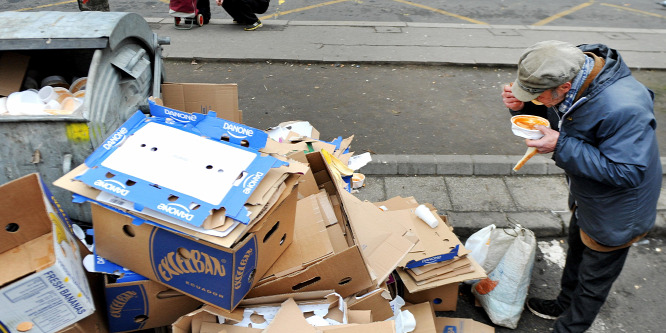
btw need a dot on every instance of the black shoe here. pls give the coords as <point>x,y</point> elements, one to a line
<point>254,26</point>
<point>544,308</point>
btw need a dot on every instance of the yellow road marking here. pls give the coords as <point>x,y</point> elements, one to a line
<point>564,13</point>
<point>443,12</point>
<point>49,5</point>
<point>633,10</point>
<point>302,9</point>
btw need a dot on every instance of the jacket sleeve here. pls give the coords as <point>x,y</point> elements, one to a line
<point>619,152</point>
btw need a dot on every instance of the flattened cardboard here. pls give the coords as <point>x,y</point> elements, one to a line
<point>203,98</point>
<point>140,305</point>
<point>216,275</point>
<point>46,285</point>
<point>183,169</point>
<point>13,67</point>
<point>410,284</point>
<point>435,245</point>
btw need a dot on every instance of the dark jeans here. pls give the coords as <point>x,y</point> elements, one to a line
<point>243,11</point>
<point>586,281</point>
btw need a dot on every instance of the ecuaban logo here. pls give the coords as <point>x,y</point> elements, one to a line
<point>112,186</point>
<point>180,116</point>
<point>118,303</point>
<point>239,132</point>
<point>116,138</point>
<point>198,262</point>
<point>177,210</point>
<point>238,278</point>
<point>251,182</point>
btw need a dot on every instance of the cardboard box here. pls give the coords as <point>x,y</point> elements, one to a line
<point>140,305</point>
<point>365,251</point>
<point>347,270</point>
<point>42,282</point>
<point>461,325</point>
<point>442,298</point>
<point>203,98</point>
<point>214,274</point>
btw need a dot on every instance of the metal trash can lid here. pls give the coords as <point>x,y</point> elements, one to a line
<point>71,30</point>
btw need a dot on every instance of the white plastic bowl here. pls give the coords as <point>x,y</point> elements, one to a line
<point>527,133</point>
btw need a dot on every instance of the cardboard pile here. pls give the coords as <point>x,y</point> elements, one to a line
<point>204,224</point>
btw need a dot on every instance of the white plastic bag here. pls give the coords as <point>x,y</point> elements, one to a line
<point>478,243</point>
<point>502,294</point>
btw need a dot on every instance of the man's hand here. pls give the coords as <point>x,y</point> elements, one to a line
<point>510,100</point>
<point>547,143</point>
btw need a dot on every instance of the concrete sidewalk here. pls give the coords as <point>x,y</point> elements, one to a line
<point>391,42</point>
<point>472,190</point>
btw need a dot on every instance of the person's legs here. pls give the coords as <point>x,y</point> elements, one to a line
<point>232,8</point>
<point>203,6</point>
<point>586,281</point>
<point>569,280</point>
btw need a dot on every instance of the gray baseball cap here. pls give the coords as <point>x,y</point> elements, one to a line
<point>546,65</point>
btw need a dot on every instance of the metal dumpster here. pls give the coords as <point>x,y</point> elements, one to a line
<point>118,53</point>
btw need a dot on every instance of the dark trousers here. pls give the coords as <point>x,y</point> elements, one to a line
<point>203,6</point>
<point>244,11</point>
<point>586,281</point>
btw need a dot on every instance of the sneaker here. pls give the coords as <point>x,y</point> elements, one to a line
<point>544,308</point>
<point>254,26</point>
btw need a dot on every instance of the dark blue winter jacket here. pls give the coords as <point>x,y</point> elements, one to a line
<point>608,150</point>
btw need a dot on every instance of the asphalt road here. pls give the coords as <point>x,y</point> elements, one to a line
<point>390,109</point>
<point>645,14</point>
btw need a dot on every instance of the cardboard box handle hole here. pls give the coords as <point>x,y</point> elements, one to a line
<point>140,318</point>
<point>306,283</point>
<point>345,281</point>
<point>12,227</point>
<point>129,230</point>
<point>284,237</point>
<point>272,231</point>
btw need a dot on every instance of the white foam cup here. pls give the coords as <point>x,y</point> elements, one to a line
<point>426,215</point>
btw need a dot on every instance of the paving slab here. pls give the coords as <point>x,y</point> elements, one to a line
<point>479,194</point>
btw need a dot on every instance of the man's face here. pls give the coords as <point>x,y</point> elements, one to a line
<point>552,97</point>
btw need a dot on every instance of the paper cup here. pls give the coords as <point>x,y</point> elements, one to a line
<point>523,126</point>
<point>78,85</point>
<point>47,94</point>
<point>426,215</point>
<point>62,94</point>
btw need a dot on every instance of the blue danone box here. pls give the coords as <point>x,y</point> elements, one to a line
<point>192,263</point>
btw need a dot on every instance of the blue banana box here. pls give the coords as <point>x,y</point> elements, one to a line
<point>193,263</point>
<point>140,305</point>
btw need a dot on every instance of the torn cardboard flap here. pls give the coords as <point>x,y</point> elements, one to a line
<point>384,242</point>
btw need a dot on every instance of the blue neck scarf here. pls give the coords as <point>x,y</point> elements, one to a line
<point>576,83</point>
